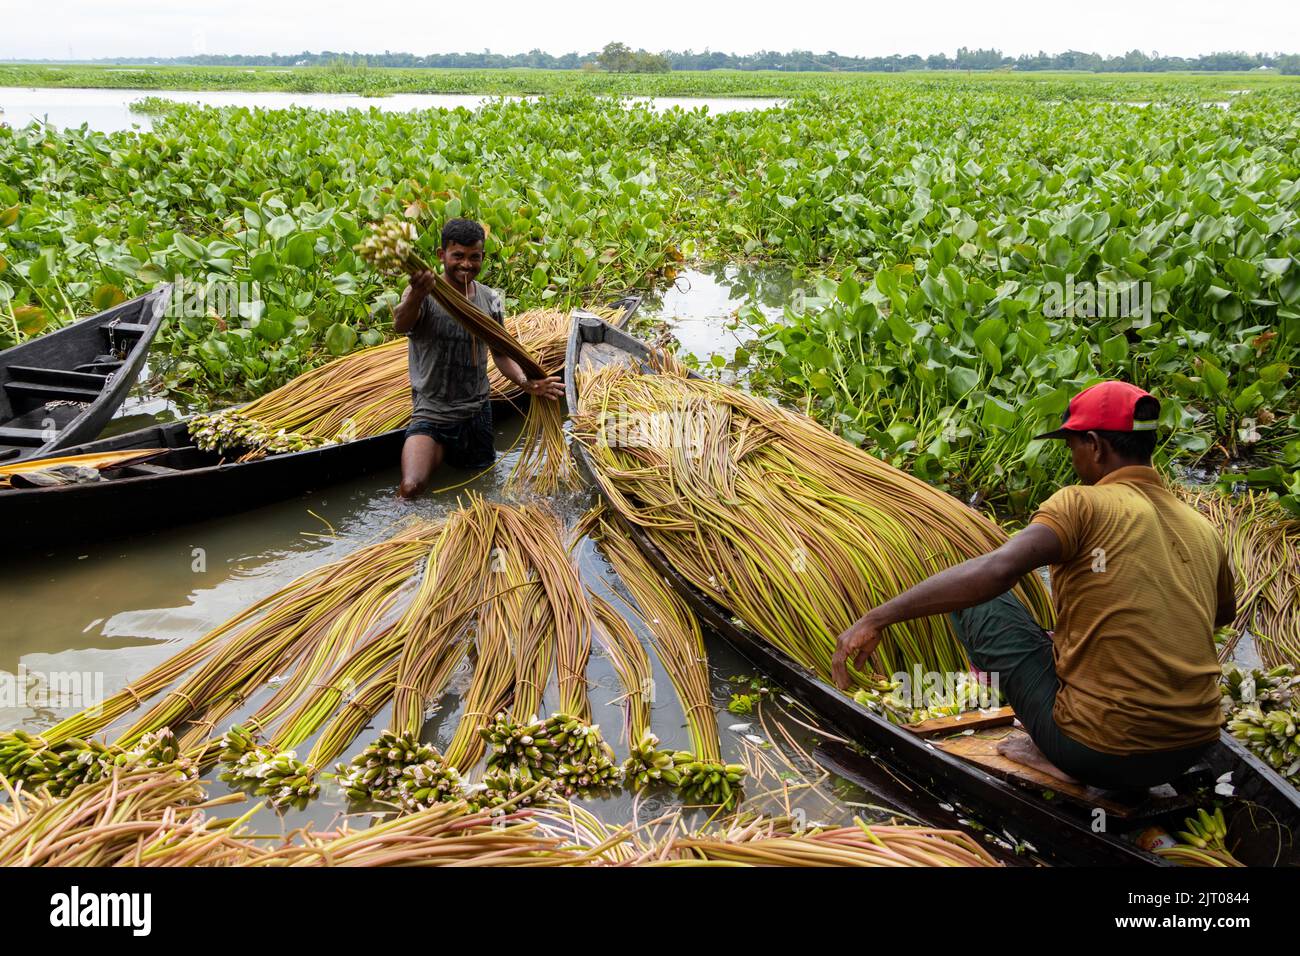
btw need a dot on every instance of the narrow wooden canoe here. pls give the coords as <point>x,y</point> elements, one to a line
<point>1061,825</point>
<point>60,389</point>
<point>186,484</point>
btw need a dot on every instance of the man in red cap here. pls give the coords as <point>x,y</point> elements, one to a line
<point>1124,693</point>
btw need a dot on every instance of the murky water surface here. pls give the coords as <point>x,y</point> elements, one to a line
<point>110,110</point>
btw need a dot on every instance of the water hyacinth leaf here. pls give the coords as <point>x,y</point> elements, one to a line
<point>300,251</point>
<point>107,296</point>
<point>1213,377</point>
<point>38,273</point>
<point>962,381</point>
<point>31,319</point>
<point>998,414</point>
<point>1115,350</point>
<point>264,266</point>
<point>281,226</point>
<point>340,339</point>
<point>189,248</point>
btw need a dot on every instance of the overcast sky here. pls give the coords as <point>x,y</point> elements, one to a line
<point>86,29</point>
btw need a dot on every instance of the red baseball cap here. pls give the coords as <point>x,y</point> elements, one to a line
<point>1105,407</point>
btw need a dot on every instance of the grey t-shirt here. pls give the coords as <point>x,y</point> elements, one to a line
<point>448,366</point>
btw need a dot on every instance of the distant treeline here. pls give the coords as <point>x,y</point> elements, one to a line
<point>626,60</point>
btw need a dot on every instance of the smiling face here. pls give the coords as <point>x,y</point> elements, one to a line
<point>462,263</point>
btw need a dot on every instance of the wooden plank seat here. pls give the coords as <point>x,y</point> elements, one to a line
<point>970,720</point>
<point>56,376</point>
<point>25,437</point>
<point>142,468</point>
<point>981,748</point>
<point>50,393</point>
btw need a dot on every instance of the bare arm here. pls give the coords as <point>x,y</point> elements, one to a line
<point>407,312</point>
<point>551,387</point>
<point>961,586</point>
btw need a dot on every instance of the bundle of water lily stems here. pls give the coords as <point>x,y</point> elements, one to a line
<point>391,248</point>
<point>352,636</point>
<point>785,525</point>
<point>151,818</point>
<point>360,395</point>
<point>1263,545</point>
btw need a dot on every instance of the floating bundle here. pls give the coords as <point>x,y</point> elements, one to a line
<point>358,396</point>
<point>789,528</point>
<point>1262,709</point>
<point>1263,546</point>
<point>132,817</point>
<point>701,776</point>
<point>391,248</point>
<point>302,630</point>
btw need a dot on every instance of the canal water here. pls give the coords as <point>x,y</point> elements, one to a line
<point>110,110</point>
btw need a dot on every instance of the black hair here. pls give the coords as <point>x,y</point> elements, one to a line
<point>463,232</point>
<point>1136,446</point>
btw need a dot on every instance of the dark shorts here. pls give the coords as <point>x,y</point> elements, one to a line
<point>1002,638</point>
<point>467,444</point>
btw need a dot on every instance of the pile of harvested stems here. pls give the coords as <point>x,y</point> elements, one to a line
<point>788,527</point>
<point>1263,545</point>
<point>360,395</point>
<point>132,817</point>
<point>701,776</point>
<point>305,626</point>
<point>137,817</point>
<point>99,461</point>
<point>565,751</point>
<point>544,461</point>
<point>774,843</point>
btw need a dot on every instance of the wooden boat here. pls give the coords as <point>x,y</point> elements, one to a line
<point>61,388</point>
<point>1061,823</point>
<point>187,484</point>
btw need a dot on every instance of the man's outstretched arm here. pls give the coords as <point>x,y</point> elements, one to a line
<point>961,586</point>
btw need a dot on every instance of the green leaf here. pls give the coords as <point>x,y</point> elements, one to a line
<point>281,226</point>
<point>340,339</point>
<point>107,296</point>
<point>998,414</point>
<point>300,251</point>
<point>264,267</point>
<point>1115,350</point>
<point>1213,377</point>
<point>39,272</point>
<point>188,247</point>
<point>962,381</point>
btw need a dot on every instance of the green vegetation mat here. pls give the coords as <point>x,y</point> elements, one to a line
<point>944,213</point>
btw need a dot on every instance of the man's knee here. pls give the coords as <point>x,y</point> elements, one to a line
<point>411,487</point>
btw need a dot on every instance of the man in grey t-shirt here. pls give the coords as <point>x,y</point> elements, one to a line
<point>451,418</point>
